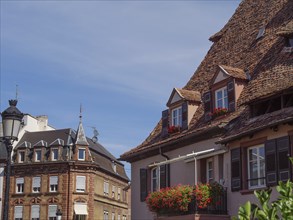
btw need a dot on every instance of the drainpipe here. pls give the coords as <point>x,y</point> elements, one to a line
<point>167,167</point>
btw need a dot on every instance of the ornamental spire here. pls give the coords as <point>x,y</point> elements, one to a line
<point>80,134</point>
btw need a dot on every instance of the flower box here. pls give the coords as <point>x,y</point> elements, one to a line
<point>173,129</point>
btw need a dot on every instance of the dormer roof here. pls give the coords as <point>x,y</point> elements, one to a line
<point>80,136</point>
<point>184,94</point>
<point>287,30</point>
<point>224,72</point>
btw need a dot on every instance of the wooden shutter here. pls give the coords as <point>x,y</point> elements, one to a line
<point>164,176</point>
<point>271,162</point>
<point>184,115</point>
<point>231,95</point>
<point>283,153</point>
<point>207,98</point>
<point>165,122</point>
<point>236,180</point>
<point>143,184</point>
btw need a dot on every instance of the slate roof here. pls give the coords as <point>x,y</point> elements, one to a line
<point>236,47</point>
<point>101,156</point>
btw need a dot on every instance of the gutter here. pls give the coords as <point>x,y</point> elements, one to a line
<point>172,142</point>
<point>251,131</point>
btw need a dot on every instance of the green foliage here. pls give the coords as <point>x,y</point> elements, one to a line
<point>282,208</point>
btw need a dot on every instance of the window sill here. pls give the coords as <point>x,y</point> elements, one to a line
<point>251,191</point>
<point>80,193</point>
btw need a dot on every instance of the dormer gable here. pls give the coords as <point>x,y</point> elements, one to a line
<point>41,143</point>
<point>182,105</point>
<point>57,142</point>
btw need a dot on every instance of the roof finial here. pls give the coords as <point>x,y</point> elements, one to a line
<point>16,92</point>
<point>80,112</point>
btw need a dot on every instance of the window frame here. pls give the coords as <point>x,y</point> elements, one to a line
<point>83,183</point>
<point>106,215</point>
<point>223,99</point>
<point>52,217</point>
<point>20,158</point>
<point>208,161</point>
<point>53,187</point>
<point>38,214</point>
<point>259,178</point>
<point>19,185</point>
<point>16,215</point>
<point>106,188</point>
<point>176,116</point>
<point>38,184</point>
<point>81,158</point>
<point>53,151</point>
<point>38,155</point>
<point>155,170</point>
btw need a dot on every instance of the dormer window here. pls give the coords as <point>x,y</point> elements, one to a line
<point>177,117</point>
<point>182,104</point>
<point>225,88</point>
<point>290,41</point>
<point>21,155</point>
<point>38,155</point>
<point>81,154</point>
<point>54,154</point>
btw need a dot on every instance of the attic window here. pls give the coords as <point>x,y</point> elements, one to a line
<point>290,41</point>
<point>261,33</point>
<point>177,117</point>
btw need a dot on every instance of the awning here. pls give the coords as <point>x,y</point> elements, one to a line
<point>80,209</point>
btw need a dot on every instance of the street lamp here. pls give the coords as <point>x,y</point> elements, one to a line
<point>11,121</point>
<point>59,214</point>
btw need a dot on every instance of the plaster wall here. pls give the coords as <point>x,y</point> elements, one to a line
<point>181,172</point>
<point>235,199</point>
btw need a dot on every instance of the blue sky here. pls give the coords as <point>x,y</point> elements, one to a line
<point>119,59</point>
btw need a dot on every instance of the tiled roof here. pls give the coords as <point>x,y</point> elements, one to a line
<point>286,30</point>
<point>190,95</point>
<point>237,46</point>
<point>247,126</point>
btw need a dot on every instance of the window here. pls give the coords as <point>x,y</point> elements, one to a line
<point>80,211</point>
<point>18,212</point>
<point>80,183</point>
<point>54,154</point>
<point>124,217</point>
<point>21,155</point>
<point>155,179</point>
<point>210,170</point>
<point>35,212</point>
<point>38,155</point>
<point>118,217</point>
<point>291,42</point>
<point>19,185</point>
<point>256,166</point>
<point>106,188</point>
<point>106,215</point>
<point>52,209</point>
<point>221,98</point>
<point>53,184</point>
<point>119,192</point>
<point>113,215</point>
<point>177,117</point>
<point>81,154</point>
<point>113,191</point>
<point>36,186</point>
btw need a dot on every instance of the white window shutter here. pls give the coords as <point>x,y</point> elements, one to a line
<point>53,180</point>
<point>52,210</point>
<point>35,211</point>
<point>80,182</point>
<point>19,180</point>
<point>37,181</point>
<point>18,211</point>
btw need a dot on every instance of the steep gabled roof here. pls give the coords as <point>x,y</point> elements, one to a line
<point>188,95</point>
<point>237,48</point>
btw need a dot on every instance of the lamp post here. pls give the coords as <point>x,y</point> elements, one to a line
<point>11,121</point>
<point>59,214</point>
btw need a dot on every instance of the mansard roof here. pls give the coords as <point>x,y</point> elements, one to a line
<point>236,47</point>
